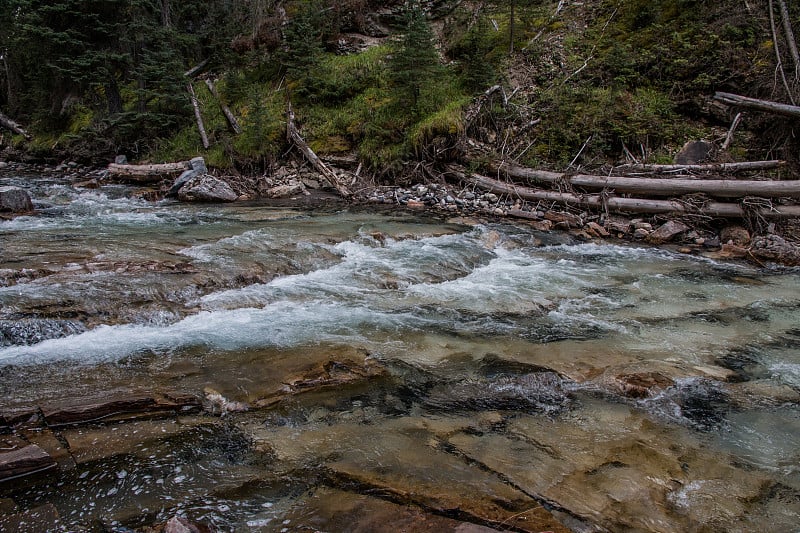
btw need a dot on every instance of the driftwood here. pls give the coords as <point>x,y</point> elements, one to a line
<point>198,116</point>
<point>710,167</point>
<point>13,126</point>
<point>295,138</point>
<point>658,187</point>
<point>232,122</point>
<point>196,69</point>
<point>759,105</point>
<point>623,205</point>
<point>148,173</point>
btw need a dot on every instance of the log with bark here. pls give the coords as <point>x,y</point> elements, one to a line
<point>622,205</point>
<point>13,126</point>
<point>758,105</point>
<point>148,173</point>
<point>295,138</point>
<point>656,186</point>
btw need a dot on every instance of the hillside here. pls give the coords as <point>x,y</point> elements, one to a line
<point>396,87</point>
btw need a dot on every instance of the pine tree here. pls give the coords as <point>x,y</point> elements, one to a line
<point>414,65</point>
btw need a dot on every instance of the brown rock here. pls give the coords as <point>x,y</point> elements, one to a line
<point>415,204</point>
<point>284,191</point>
<point>643,384</point>
<point>667,231</point>
<point>519,213</point>
<point>562,217</point>
<point>618,225</point>
<point>24,461</point>
<point>731,251</point>
<point>177,524</point>
<point>47,440</point>
<point>597,230</point>
<point>65,413</point>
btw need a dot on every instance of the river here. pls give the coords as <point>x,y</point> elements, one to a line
<point>397,368</point>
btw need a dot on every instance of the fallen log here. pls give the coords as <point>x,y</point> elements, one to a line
<point>710,167</point>
<point>13,126</point>
<point>148,173</point>
<point>759,105</point>
<point>295,138</point>
<point>657,187</point>
<point>622,205</point>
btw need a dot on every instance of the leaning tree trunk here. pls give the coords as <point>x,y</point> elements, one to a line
<point>13,126</point>
<point>295,138</point>
<point>198,116</point>
<point>229,116</point>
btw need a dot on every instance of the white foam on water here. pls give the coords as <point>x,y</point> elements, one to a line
<point>281,324</point>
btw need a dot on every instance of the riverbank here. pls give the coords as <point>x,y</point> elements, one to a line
<point>755,240</point>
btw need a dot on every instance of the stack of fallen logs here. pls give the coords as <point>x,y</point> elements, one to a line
<point>628,194</point>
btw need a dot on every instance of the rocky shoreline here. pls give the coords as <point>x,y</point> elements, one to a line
<point>756,241</point>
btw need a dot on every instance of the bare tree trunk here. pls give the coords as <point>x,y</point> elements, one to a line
<point>166,14</point>
<point>778,59</point>
<point>198,116</point>
<point>13,126</point>
<point>295,138</point>
<point>9,84</point>
<point>656,186</point>
<point>729,137</point>
<point>787,30</point>
<point>113,98</point>
<point>623,205</point>
<point>511,27</point>
<point>759,105</point>
<point>232,122</point>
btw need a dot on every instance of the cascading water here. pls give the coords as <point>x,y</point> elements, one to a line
<point>616,387</point>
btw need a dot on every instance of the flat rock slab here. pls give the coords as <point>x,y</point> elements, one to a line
<point>90,410</point>
<point>24,461</point>
<point>335,510</point>
<point>400,460</point>
<point>97,443</point>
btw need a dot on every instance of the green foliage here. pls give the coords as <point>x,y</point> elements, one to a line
<point>478,54</point>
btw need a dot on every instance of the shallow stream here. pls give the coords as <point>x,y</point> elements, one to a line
<point>489,370</point>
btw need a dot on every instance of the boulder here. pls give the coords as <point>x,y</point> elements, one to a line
<point>694,152</point>
<point>205,188</point>
<point>15,200</point>
<point>667,231</point>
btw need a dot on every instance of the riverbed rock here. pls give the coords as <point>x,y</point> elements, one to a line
<point>36,520</point>
<point>126,405</point>
<point>284,191</point>
<point>15,200</point>
<point>205,188</point>
<point>667,231</point>
<point>24,461</point>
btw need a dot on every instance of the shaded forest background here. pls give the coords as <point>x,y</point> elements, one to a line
<point>395,85</point>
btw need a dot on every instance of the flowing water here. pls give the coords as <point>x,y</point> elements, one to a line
<point>488,369</point>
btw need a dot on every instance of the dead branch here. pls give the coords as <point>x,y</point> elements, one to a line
<point>778,59</point>
<point>790,40</point>
<point>148,173</point>
<point>729,137</point>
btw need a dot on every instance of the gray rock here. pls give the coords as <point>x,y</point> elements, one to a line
<point>121,160</point>
<point>181,181</point>
<point>15,199</point>
<point>205,188</point>
<point>735,235</point>
<point>198,164</point>
<point>3,164</point>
